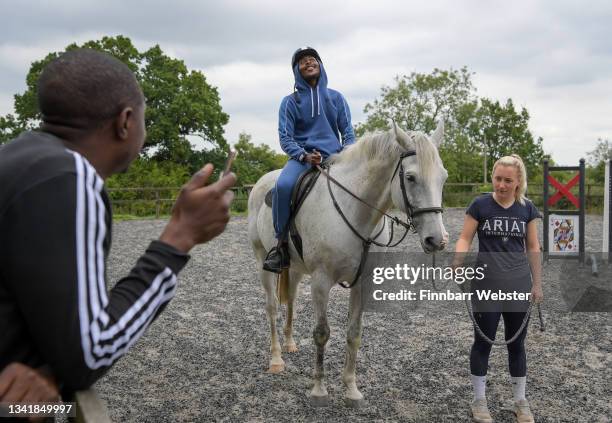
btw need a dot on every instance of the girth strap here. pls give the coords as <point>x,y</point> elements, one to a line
<point>364,253</point>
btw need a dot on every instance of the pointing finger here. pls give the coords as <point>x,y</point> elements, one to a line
<point>226,182</point>
<point>199,179</point>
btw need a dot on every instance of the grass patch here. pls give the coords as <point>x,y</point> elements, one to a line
<point>122,217</point>
<point>125,217</point>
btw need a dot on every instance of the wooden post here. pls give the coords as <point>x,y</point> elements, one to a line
<point>484,173</point>
<point>607,213</point>
<point>156,204</point>
<point>545,207</point>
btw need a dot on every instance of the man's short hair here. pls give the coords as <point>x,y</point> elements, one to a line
<point>83,88</point>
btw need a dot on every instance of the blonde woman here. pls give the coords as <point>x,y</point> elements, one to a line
<point>508,244</point>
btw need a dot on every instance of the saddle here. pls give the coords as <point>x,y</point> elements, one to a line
<point>301,190</point>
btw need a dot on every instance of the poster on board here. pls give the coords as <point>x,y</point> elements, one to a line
<point>563,235</point>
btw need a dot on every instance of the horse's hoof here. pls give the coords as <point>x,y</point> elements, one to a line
<point>290,348</point>
<point>319,401</point>
<point>354,403</point>
<point>276,368</point>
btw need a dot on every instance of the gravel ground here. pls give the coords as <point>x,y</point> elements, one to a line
<point>205,357</point>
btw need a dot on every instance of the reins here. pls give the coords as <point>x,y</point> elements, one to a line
<point>367,242</point>
<point>489,340</point>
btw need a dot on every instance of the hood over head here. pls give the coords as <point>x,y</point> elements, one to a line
<point>308,95</point>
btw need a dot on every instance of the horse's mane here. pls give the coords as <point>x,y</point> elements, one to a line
<point>382,146</point>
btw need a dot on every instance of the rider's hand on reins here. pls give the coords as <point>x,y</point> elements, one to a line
<point>313,158</point>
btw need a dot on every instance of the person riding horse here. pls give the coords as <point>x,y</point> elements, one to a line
<point>314,122</point>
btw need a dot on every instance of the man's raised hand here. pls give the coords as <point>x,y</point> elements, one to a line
<point>200,212</point>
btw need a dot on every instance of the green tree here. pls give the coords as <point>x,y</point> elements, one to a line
<point>418,101</point>
<point>147,173</point>
<point>252,162</point>
<point>502,130</point>
<point>601,153</point>
<point>131,192</point>
<point>597,160</point>
<point>9,128</point>
<point>180,102</point>
<point>472,125</point>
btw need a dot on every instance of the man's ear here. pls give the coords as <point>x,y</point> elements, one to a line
<point>123,123</point>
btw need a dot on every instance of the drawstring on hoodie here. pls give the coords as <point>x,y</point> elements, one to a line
<point>311,103</point>
<point>295,93</point>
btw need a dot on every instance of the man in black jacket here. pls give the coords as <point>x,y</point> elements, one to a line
<point>55,226</point>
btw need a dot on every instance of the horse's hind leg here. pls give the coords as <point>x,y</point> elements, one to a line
<point>268,280</point>
<point>320,297</point>
<point>353,397</point>
<point>289,344</point>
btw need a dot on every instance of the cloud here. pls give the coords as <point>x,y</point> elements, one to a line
<point>552,57</point>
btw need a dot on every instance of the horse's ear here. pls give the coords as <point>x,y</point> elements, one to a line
<point>400,136</point>
<point>438,134</point>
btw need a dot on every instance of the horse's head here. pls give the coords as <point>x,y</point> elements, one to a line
<point>417,183</point>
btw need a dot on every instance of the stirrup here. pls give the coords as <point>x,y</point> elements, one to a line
<point>273,261</point>
<point>277,259</point>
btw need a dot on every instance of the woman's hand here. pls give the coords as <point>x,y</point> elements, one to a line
<point>537,296</point>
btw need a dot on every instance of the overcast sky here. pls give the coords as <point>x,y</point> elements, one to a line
<point>552,57</point>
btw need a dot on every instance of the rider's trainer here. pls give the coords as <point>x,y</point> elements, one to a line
<point>314,122</point>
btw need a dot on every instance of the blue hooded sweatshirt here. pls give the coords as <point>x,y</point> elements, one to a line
<point>316,120</point>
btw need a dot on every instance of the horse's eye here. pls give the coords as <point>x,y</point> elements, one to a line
<point>410,178</point>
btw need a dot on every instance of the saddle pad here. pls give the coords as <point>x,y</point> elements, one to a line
<point>302,186</point>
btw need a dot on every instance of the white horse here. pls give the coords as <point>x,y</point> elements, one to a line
<point>332,252</point>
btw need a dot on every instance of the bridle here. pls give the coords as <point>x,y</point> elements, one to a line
<point>408,225</point>
<point>410,211</point>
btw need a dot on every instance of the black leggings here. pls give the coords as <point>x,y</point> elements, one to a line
<point>488,321</point>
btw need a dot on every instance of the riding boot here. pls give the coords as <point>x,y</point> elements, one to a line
<point>277,258</point>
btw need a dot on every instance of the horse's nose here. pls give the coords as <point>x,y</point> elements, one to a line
<point>435,243</point>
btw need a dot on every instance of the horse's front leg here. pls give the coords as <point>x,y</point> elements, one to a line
<point>353,397</point>
<point>320,296</point>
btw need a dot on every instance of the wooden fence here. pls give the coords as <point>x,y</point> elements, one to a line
<point>158,201</point>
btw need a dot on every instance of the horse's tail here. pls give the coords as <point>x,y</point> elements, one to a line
<point>282,287</point>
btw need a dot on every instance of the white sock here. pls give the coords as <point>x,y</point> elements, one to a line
<point>480,384</point>
<point>518,387</point>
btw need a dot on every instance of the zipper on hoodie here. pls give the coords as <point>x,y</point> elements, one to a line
<point>318,102</point>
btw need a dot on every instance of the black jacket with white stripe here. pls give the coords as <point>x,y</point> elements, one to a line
<point>55,235</point>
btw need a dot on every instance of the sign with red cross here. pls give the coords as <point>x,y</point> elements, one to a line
<point>564,190</point>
